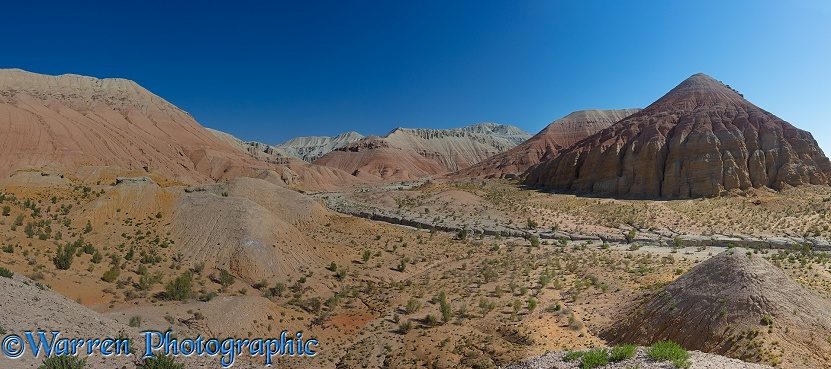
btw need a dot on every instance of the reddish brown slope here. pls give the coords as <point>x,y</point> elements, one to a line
<point>547,144</point>
<point>71,122</point>
<point>700,139</point>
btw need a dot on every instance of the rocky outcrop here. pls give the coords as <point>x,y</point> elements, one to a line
<point>416,153</point>
<point>700,139</point>
<point>545,145</point>
<point>721,305</point>
<point>310,148</point>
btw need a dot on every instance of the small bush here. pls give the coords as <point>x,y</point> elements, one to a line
<point>135,321</point>
<point>670,351</point>
<point>225,278</point>
<point>110,275</point>
<point>405,326</point>
<point>623,352</point>
<point>594,358</point>
<point>6,273</point>
<point>180,288</point>
<point>63,258</point>
<point>572,355</point>
<point>161,362</point>
<point>413,306</point>
<point>63,362</point>
<point>766,320</point>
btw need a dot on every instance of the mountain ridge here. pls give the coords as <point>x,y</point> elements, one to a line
<point>410,153</point>
<point>555,137</point>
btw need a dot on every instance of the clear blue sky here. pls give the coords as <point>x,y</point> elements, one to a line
<point>273,70</point>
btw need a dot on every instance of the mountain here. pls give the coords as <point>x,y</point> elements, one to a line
<point>700,139</point>
<point>547,144</point>
<point>258,150</point>
<point>310,148</point>
<point>408,153</point>
<point>736,304</point>
<point>97,129</point>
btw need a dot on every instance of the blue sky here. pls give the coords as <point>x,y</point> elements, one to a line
<point>273,70</point>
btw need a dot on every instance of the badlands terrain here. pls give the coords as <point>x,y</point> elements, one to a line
<point>471,247</point>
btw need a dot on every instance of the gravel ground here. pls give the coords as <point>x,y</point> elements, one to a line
<point>700,360</point>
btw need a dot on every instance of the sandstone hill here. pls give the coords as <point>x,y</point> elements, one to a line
<point>700,139</point>
<point>547,144</point>
<point>249,227</point>
<point>310,148</point>
<point>414,153</point>
<point>72,123</point>
<point>736,304</point>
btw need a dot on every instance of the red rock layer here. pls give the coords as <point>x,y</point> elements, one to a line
<point>700,139</point>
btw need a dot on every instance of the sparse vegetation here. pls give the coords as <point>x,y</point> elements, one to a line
<point>161,362</point>
<point>180,288</point>
<point>669,351</point>
<point>622,352</point>
<point>63,362</point>
<point>6,273</point>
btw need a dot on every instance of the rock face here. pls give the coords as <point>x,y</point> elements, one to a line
<point>700,139</point>
<point>310,148</point>
<point>547,144</point>
<point>415,153</point>
<point>722,306</point>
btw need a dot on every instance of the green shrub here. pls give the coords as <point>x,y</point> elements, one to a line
<point>180,288</point>
<point>63,258</point>
<point>572,355</point>
<point>623,352</point>
<point>766,320</point>
<point>6,273</point>
<point>63,362</point>
<point>96,257</point>
<point>535,241</point>
<point>110,275</point>
<point>670,351</point>
<point>594,358</point>
<point>161,362</point>
<point>405,326</point>
<point>225,278</point>
<point>413,306</point>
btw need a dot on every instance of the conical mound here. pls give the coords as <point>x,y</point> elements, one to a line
<point>700,139</point>
<point>736,304</point>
